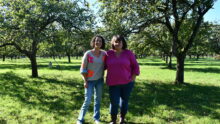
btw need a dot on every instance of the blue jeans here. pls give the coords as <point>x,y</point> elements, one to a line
<point>96,85</point>
<point>119,95</point>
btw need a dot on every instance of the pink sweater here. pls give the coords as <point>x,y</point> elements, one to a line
<point>120,69</point>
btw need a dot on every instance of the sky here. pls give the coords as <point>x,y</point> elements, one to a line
<point>213,15</point>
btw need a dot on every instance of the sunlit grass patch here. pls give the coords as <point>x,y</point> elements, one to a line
<point>57,95</point>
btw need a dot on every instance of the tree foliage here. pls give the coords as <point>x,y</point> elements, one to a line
<point>125,17</point>
<point>26,23</point>
<point>214,39</point>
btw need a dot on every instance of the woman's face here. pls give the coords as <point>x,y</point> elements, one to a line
<point>118,44</point>
<point>98,42</point>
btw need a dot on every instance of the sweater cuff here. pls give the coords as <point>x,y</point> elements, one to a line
<point>83,71</point>
<point>136,73</point>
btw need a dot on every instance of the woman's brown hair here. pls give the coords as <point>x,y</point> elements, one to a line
<point>92,42</point>
<point>119,38</point>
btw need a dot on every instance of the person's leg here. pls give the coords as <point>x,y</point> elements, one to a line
<point>125,94</point>
<point>85,106</point>
<point>97,98</point>
<point>114,94</point>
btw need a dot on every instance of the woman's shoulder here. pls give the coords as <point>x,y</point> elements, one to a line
<point>87,52</point>
<point>103,52</point>
<point>128,51</point>
<point>110,51</point>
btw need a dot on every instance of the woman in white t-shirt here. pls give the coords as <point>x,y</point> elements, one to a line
<point>92,70</point>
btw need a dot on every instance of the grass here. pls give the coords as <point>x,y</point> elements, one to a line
<point>57,95</point>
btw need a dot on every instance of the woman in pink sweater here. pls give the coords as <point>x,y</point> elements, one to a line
<point>122,69</point>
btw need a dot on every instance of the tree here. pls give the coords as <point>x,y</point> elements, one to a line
<point>134,16</point>
<point>26,22</point>
<point>200,46</point>
<point>154,38</point>
<point>181,11</point>
<point>214,39</point>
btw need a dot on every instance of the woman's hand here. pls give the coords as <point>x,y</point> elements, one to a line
<point>86,84</point>
<point>133,77</point>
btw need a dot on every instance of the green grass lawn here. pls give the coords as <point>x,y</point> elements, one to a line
<point>57,95</point>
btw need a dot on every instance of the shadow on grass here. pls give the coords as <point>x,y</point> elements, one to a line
<point>196,100</point>
<point>188,62</point>
<point>174,65</point>
<point>58,62</point>
<point>14,66</point>
<point>40,66</point>
<point>50,95</point>
<point>202,64</point>
<point>70,67</point>
<point>203,70</point>
<point>62,97</point>
<point>152,64</point>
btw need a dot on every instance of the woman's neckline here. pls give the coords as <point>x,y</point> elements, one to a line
<point>93,53</point>
<point>118,54</point>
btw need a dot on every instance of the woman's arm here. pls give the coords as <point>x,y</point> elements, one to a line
<point>83,69</point>
<point>84,76</point>
<point>133,77</point>
<point>135,70</point>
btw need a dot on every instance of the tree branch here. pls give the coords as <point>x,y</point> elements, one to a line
<point>17,47</point>
<point>6,44</point>
<point>138,28</point>
<point>196,28</point>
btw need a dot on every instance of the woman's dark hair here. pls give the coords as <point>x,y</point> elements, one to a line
<point>119,38</point>
<point>92,42</point>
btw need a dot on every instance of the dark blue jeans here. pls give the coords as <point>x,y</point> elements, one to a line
<point>119,95</point>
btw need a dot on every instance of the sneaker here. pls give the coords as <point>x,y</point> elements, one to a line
<point>97,122</point>
<point>78,122</point>
<point>112,123</point>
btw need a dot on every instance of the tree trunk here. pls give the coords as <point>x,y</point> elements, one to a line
<point>69,59</point>
<point>170,61</point>
<point>3,58</point>
<point>34,65</point>
<point>197,57</point>
<point>180,70</point>
<point>166,59</point>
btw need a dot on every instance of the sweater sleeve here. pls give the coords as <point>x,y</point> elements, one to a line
<point>105,57</point>
<point>134,64</point>
<point>84,65</point>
